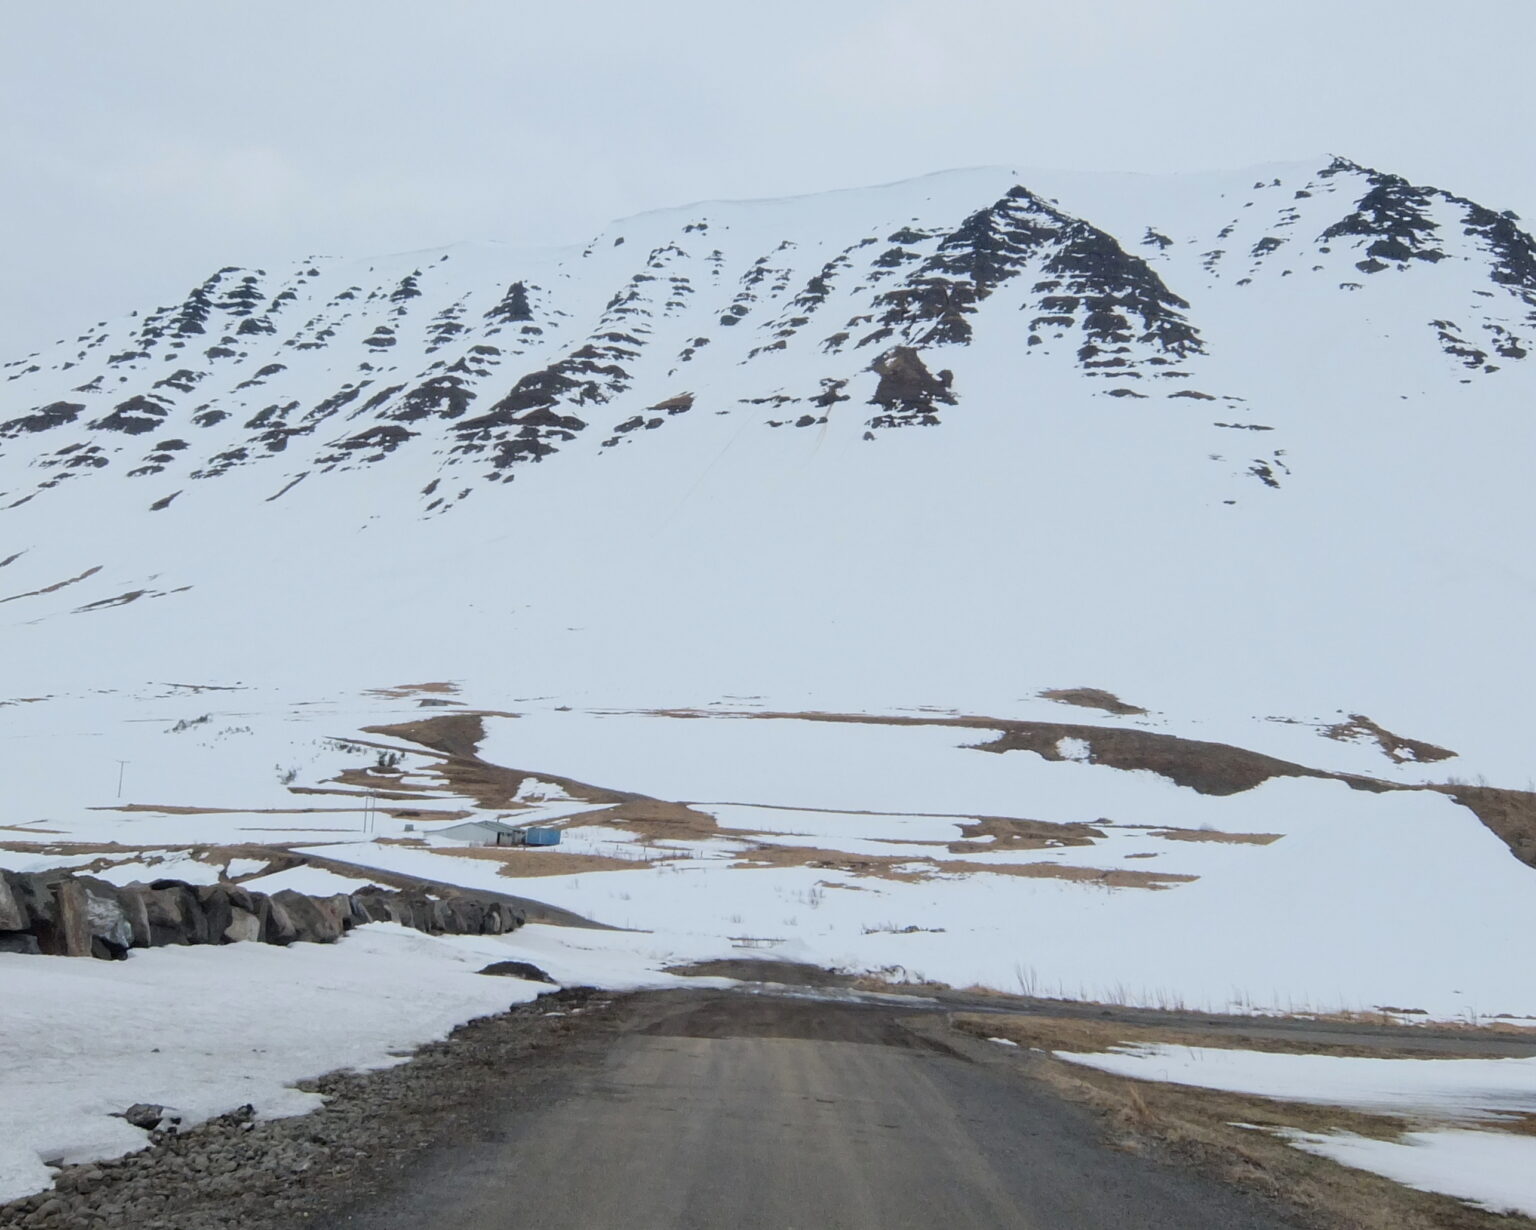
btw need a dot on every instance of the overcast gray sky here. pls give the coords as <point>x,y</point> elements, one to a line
<point>147,144</point>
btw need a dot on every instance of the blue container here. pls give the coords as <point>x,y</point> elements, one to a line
<point>542,837</point>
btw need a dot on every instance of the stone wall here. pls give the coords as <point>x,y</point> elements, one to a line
<point>66,915</point>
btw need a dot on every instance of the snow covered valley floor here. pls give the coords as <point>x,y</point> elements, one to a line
<point>1062,850</point>
<point>1080,849</point>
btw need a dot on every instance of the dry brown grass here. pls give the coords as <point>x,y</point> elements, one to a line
<point>1397,748</point>
<point>884,867</point>
<point>1506,1026</point>
<point>1009,834</point>
<point>451,734</point>
<point>1510,814</point>
<point>404,691</point>
<point>651,819</point>
<point>1088,1036</point>
<point>1238,839</point>
<point>1092,698</point>
<point>375,782</point>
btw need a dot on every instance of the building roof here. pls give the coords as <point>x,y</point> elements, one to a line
<point>492,826</point>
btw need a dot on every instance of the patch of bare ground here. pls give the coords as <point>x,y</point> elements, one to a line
<point>1510,814</point>
<point>452,734</point>
<point>1088,1036</point>
<point>749,969</point>
<point>1196,1126</point>
<point>652,819</point>
<point>530,863</point>
<point>1518,1125</point>
<point>376,780</point>
<point>1237,839</point>
<point>909,870</point>
<point>1092,698</point>
<point>1006,834</point>
<point>405,691</point>
<point>1359,728</point>
<point>1207,768</point>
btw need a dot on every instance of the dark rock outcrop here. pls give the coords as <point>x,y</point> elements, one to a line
<point>61,914</point>
<point>908,392</point>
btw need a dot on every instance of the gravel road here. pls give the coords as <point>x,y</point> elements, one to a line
<point>775,1113</point>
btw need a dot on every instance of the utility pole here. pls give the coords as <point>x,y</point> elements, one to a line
<point>121,766</point>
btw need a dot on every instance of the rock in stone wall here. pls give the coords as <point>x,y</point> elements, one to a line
<point>61,914</point>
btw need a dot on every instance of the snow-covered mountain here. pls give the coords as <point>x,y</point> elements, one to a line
<point>1242,445</point>
<point>825,311</point>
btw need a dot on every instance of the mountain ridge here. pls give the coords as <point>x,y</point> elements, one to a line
<point>942,273</point>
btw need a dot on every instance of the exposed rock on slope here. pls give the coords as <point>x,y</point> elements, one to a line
<point>487,361</point>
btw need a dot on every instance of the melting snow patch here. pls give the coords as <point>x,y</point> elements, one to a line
<point>1074,749</point>
<point>1461,1088</point>
<point>1490,1169</point>
<point>315,881</point>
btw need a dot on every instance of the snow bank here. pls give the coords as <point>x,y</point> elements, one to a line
<point>204,1030</point>
<point>1447,1088</point>
<point>1491,1169</point>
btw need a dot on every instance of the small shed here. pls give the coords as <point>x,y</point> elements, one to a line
<point>500,833</point>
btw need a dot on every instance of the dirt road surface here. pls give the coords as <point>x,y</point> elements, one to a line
<point>764,1112</point>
